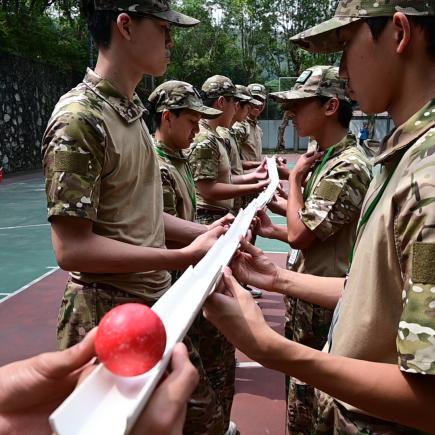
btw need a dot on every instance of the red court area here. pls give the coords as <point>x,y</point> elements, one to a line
<point>28,325</point>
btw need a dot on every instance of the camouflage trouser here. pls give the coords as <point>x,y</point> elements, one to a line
<point>307,324</point>
<point>82,309</point>
<point>207,217</point>
<point>218,358</point>
<point>333,419</point>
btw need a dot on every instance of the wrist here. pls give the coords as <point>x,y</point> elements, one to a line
<point>279,282</point>
<point>296,177</point>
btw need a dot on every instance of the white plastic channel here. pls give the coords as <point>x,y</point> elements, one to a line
<point>108,404</point>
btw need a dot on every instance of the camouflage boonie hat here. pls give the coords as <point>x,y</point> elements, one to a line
<point>220,86</point>
<point>174,95</point>
<point>157,8</point>
<point>323,38</point>
<point>317,81</point>
<point>258,91</point>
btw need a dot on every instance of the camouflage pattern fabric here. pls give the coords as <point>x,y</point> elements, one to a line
<point>93,160</point>
<point>209,160</point>
<point>174,95</point>
<point>178,187</point>
<point>158,8</point>
<point>258,91</point>
<point>332,216</point>
<point>251,138</point>
<point>82,308</point>
<point>318,81</point>
<point>400,228</point>
<point>218,358</point>
<point>332,418</point>
<point>323,38</point>
<point>221,86</point>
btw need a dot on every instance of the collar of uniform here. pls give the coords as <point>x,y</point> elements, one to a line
<point>406,134</point>
<point>347,141</point>
<point>128,110</point>
<point>251,121</point>
<point>205,126</point>
<point>176,154</point>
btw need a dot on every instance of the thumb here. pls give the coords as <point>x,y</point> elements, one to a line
<point>60,364</point>
<point>250,249</point>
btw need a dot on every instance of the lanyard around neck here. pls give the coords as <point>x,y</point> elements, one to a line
<point>371,207</point>
<point>315,175</point>
<point>190,185</point>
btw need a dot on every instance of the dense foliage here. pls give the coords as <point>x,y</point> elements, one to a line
<point>244,39</point>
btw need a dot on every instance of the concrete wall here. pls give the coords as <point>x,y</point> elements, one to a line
<point>28,94</point>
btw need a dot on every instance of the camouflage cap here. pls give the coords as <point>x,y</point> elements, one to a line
<point>243,94</point>
<point>157,8</point>
<point>219,86</point>
<point>258,91</point>
<point>317,81</point>
<point>323,38</point>
<point>174,95</point>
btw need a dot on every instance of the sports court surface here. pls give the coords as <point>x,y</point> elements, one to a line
<point>31,287</point>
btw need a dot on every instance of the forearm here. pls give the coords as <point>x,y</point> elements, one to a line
<point>250,164</point>
<point>319,290</point>
<point>220,191</point>
<point>97,254</point>
<point>244,179</point>
<point>278,233</point>
<point>180,230</point>
<point>299,236</point>
<point>377,388</point>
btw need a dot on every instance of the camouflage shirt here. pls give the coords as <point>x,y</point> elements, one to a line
<point>179,197</point>
<point>332,209</point>
<point>387,312</point>
<point>99,164</point>
<point>251,137</point>
<point>209,158</point>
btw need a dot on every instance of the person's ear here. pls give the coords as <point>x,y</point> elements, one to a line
<point>123,24</point>
<point>402,31</point>
<point>220,103</point>
<point>166,115</point>
<point>332,106</point>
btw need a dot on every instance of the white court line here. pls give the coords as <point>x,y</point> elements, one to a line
<point>28,285</point>
<point>275,252</point>
<point>24,226</point>
<point>248,365</point>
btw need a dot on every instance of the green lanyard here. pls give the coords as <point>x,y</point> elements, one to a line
<point>371,208</point>
<point>189,184</point>
<point>312,181</point>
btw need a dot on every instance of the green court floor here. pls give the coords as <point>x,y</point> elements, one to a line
<point>25,244</point>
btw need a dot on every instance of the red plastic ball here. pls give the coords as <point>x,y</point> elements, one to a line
<point>130,340</point>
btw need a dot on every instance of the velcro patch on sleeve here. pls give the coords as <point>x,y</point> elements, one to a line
<point>74,162</point>
<point>328,190</point>
<point>205,153</point>
<point>423,263</point>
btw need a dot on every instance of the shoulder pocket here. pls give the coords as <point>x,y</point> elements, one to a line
<point>328,190</point>
<point>74,162</point>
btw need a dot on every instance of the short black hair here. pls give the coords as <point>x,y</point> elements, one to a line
<point>100,22</point>
<point>156,117</point>
<point>345,111</point>
<point>207,101</point>
<point>426,23</point>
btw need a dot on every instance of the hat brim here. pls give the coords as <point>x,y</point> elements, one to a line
<point>285,96</point>
<point>207,112</point>
<point>242,97</point>
<point>323,38</point>
<point>176,18</point>
<point>256,102</point>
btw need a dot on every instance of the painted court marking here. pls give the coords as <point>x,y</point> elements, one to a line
<point>24,226</point>
<point>35,281</point>
<point>248,365</point>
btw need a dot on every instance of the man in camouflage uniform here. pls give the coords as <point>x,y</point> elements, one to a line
<point>216,189</point>
<point>232,136</point>
<point>105,201</point>
<point>322,216</point>
<point>250,133</point>
<point>177,108</point>
<point>380,368</point>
